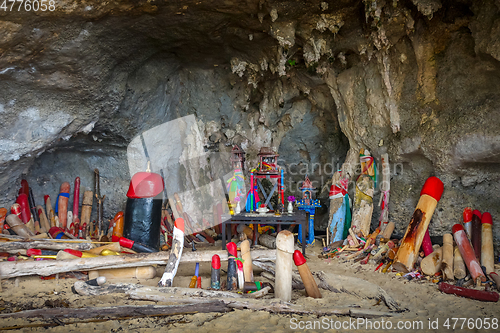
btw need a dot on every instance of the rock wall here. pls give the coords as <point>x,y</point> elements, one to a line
<point>317,81</point>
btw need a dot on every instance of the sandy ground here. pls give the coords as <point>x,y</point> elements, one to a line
<point>426,306</point>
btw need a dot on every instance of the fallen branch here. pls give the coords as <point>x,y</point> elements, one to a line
<point>84,289</point>
<point>274,306</point>
<point>117,312</point>
<point>47,245</point>
<point>49,267</point>
<point>355,286</point>
<point>231,300</point>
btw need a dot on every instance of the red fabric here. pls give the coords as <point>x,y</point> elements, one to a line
<point>145,185</point>
<point>433,187</point>
<point>298,258</point>
<point>487,218</point>
<point>215,261</point>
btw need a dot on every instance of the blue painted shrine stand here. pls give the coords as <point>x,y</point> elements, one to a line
<point>308,204</point>
<point>310,208</point>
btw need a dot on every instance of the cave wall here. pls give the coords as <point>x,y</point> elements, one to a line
<point>318,81</point>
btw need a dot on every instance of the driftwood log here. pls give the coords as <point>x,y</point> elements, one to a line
<point>187,295</point>
<point>355,286</point>
<point>74,315</point>
<point>47,245</point>
<point>49,267</point>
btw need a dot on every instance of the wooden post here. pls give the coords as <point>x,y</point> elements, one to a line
<point>62,204</point>
<point>44,222</point>
<point>175,254</point>
<point>232,271</point>
<point>467,216</point>
<point>412,241</point>
<point>467,253</point>
<point>76,205</point>
<point>447,265</point>
<point>50,211</point>
<point>458,265</point>
<point>88,199</point>
<point>487,255</point>
<point>247,260</point>
<point>145,272</point>
<point>100,202</point>
<point>284,253</point>
<point>476,233</point>
<point>18,226</point>
<point>312,289</point>
<point>363,205</point>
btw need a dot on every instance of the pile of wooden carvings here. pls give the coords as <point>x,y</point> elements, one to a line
<point>463,265</point>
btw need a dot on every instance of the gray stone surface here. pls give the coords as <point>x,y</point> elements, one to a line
<point>418,80</point>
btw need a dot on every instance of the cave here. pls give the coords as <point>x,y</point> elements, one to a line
<point>316,80</point>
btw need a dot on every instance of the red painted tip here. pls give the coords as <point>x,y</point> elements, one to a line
<point>457,227</point>
<point>54,231</point>
<point>487,218</point>
<point>125,242</point>
<point>298,258</point>
<point>74,252</point>
<point>65,187</point>
<point>239,264</point>
<point>215,261</point>
<point>33,252</point>
<point>478,213</point>
<point>77,180</point>
<point>115,238</point>
<point>433,187</point>
<point>179,224</point>
<point>45,197</point>
<point>3,212</point>
<point>118,215</point>
<point>145,185</point>
<point>232,249</point>
<point>467,214</point>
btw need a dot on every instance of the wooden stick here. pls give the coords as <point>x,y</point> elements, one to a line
<point>50,211</point>
<point>62,204</point>
<point>175,254</point>
<point>146,272</point>
<point>306,275</point>
<point>88,199</point>
<point>467,253</point>
<point>9,246</point>
<point>447,264</point>
<point>487,254</point>
<point>232,300</point>
<point>247,260</point>
<point>458,265</point>
<point>18,226</point>
<point>284,253</point>
<point>412,241</point>
<point>431,264</point>
<point>115,312</point>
